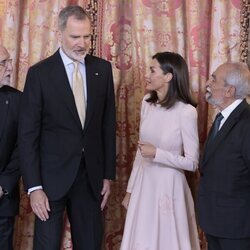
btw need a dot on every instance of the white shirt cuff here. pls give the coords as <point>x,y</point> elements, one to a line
<point>33,189</point>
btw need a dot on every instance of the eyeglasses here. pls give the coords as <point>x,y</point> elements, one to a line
<point>4,63</point>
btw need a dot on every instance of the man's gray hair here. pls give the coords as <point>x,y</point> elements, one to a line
<point>72,10</point>
<point>239,77</point>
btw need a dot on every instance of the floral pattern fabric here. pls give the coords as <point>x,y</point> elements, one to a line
<point>206,33</point>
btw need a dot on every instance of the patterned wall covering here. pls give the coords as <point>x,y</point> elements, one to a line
<point>244,34</point>
<point>206,33</point>
<point>28,30</point>
<point>129,32</point>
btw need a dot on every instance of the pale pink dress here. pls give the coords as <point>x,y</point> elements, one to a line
<point>161,214</point>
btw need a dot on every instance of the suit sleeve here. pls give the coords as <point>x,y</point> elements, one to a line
<point>189,132</point>
<point>109,131</point>
<point>10,176</point>
<point>246,145</point>
<point>29,130</point>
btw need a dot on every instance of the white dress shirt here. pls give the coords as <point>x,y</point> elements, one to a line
<point>69,67</point>
<point>228,110</point>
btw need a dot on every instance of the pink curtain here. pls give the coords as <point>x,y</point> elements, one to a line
<point>206,33</point>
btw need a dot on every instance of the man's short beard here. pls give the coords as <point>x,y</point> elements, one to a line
<point>74,56</point>
<point>213,101</point>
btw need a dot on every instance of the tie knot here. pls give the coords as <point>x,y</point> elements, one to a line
<point>219,117</point>
<point>76,63</point>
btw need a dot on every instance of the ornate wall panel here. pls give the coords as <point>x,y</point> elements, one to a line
<point>128,33</point>
<point>206,33</point>
<point>244,34</point>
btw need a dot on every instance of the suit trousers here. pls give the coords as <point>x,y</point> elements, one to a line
<point>215,243</point>
<point>6,232</point>
<point>84,214</point>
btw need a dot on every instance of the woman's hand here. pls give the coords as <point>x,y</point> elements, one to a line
<point>147,150</point>
<point>126,199</point>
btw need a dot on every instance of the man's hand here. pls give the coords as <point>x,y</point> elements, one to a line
<point>105,192</point>
<point>40,204</point>
<point>1,192</point>
<point>147,149</point>
<point>126,199</point>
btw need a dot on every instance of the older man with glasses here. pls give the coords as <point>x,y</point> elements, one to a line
<point>9,164</point>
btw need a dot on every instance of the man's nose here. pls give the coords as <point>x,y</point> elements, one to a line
<point>208,82</point>
<point>9,65</point>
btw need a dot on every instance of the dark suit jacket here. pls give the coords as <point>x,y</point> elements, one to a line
<point>9,162</point>
<point>223,201</point>
<point>51,136</point>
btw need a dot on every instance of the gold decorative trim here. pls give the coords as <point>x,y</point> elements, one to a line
<point>244,33</point>
<point>92,8</point>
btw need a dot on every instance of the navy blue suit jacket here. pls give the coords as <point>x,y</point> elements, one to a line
<point>223,201</point>
<point>50,133</point>
<point>9,160</point>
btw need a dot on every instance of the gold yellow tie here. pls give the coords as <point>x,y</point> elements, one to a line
<point>78,91</point>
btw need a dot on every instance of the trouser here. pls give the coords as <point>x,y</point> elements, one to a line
<point>215,243</point>
<point>6,232</point>
<point>84,214</point>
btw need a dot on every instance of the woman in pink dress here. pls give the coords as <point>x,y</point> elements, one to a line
<point>160,208</point>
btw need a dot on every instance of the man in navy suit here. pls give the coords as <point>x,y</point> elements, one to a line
<point>223,201</point>
<point>67,137</point>
<point>9,163</point>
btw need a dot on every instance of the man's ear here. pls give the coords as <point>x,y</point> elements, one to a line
<point>230,91</point>
<point>59,36</point>
<point>168,77</point>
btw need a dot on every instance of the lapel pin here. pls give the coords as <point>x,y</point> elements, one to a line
<point>7,102</point>
<point>96,73</point>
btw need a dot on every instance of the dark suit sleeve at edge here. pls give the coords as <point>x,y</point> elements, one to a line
<point>29,130</point>
<point>246,144</point>
<point>109,133</point>
<point>11,174</point>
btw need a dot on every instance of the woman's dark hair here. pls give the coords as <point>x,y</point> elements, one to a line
<point>179,87</point>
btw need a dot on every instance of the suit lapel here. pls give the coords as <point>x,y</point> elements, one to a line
<point>61,82</point>
<point>223,132</point>
<point>91,74</point>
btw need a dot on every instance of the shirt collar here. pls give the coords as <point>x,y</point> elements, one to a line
<point>228,110</point>
<point>66,60</point>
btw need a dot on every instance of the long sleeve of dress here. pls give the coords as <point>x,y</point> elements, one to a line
<point>136,165</point>
<point>138,158</point>
<point>188,159</point>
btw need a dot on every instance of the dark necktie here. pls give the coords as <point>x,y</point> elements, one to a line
<point>216,125</point>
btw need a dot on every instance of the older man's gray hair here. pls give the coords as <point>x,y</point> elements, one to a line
<point>239,77</point>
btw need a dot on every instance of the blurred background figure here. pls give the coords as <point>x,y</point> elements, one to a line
<point>9,160</point>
